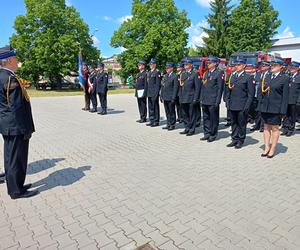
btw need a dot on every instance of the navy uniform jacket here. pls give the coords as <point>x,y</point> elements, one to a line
<point>190,90</point>
<point>101,80</point>
<point>15,110</point>
<point>277,101</point>
<point>241,96</point>
<point>153,85</point>
<point>212,87</point>
<point>169,87</point>
<point>93,78</point>
<point>141,83</point>
<point>294,91</point>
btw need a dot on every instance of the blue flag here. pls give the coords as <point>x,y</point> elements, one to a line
<point>80,76</point>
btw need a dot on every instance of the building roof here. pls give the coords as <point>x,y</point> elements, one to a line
<point>286,41</point>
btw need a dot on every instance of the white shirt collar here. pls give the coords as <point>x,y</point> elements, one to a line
<point>240,73</point>
<point>212,70</point>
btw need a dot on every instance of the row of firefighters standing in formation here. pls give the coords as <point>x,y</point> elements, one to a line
<point>267,95</point>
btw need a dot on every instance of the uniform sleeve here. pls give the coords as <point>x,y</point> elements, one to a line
<point>251,92</point>
<point>298,99</point>
<point>176,88</point>
<point>285,97</point>
<point>14,94</point>
<point>158,80</point>
<point>220,83</point>
<point>198,83</point>
<point>105,78</point>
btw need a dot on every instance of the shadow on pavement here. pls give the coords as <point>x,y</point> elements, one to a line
<point>41,165</point>
<point>63,177</point>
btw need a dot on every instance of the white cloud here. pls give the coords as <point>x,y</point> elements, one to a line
<point>286,33</point>
<point>196,33</point>
<point>124,18</point>
<point>107,18</point>
<point>204,3</point>
<point>95,40</point>
<point>68,3</point>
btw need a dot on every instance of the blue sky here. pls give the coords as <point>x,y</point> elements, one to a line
<point>106,16</point>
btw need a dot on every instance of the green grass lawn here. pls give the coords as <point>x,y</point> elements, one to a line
<point>67,92</point>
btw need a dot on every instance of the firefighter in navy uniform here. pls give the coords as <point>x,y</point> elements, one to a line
<point>141,91</point>
<point>153,88</point>
<point>87,97</point>
<point>189,91</point>
<point>210,98</point>
<point>198,107</point>
<point>16,126</point>
<point>241,93</point>
<point>169,92</point>
<point>93,94</point>
<point>273,103</point>
<point>102,88</point>
<point>254,114</point>
<point>289,122</point>
<point>228,79</point>
<point>180,67</point>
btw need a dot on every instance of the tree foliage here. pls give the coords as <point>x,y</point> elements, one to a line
<point>218,20</point>
<point>157,29</point>
<point>253,25</point>
<point>48,39</point>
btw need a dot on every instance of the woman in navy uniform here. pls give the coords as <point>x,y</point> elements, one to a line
<point>16,126</point>
<point>241,93</point>
<point>140,91</point>
<point>169,92</point>
<point>210,98</point>
<point>289,122</point>
<point>273,103</point>
<point>189,91</point>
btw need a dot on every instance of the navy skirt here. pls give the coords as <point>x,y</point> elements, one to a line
<point>271,119</point>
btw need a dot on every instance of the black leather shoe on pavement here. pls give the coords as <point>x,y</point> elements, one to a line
<point>171,128</point>
<point>205,138</point>
<point>26,194</point>
<point>238,145</point>
<point>27,186</point>
<point>211,139</point>
<point>149,124</point>
<point>166,127</point>
<point>230,145</point>
<point>184,132</point>
<point>190,133</point>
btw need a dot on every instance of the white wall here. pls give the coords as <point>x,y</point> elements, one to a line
<point>292,51</point>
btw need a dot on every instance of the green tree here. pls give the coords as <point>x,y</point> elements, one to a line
<point>157,29</point>
<point>253,25</point>
<point>48,39</point>
<point>216,41</point>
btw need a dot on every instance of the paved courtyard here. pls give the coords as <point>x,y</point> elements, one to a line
<point>107,182</point>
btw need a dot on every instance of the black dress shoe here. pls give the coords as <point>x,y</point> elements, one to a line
<point>289,134</point>
<point>238,145</point>
<point>261,130</point>
<point>26,194</point>
<point>284,133</point>
<point>93,110</point>
<point>184,132</point>
<point>139,121</point>
<point>2,180</point>
<point>265,154</point>
<point>211,139</point>
<point>149,124</point>
<point>205,138</point>
<point>270,156</point>
<point>27,186</point>
<point>166,127</point>
<point>230,145</point>
<point>143,121</point>
<point>2,175</point>
<point>171,128</point>
<point>156,124</point>
<point>190,133</point>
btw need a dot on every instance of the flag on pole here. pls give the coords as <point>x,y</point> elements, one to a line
<point>80,76</point>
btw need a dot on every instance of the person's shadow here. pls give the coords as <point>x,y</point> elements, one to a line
<point>63,177</point>
<point>41,165</point>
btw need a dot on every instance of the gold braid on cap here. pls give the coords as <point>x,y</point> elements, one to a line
<point>263,86</point>
<point>23,84</point>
